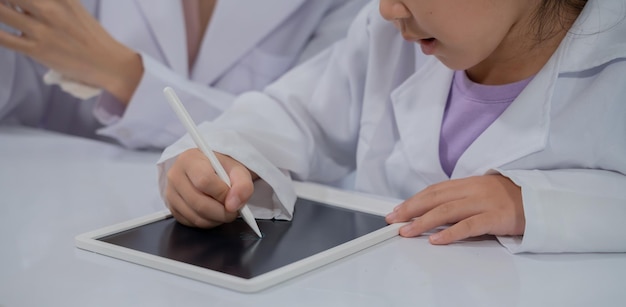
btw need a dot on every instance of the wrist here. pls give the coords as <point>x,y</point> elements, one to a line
<point>123,78</point>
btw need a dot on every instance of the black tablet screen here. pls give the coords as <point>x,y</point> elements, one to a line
<point>234,249</point>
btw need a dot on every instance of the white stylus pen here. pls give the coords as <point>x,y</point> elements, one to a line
<point>184,117</point>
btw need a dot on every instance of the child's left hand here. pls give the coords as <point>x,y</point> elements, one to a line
<point>489,204</point>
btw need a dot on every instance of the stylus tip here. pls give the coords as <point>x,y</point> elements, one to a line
<point>249,219</point>
<point>256,230</point>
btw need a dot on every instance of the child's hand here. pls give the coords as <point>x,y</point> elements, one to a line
<point>197,197</point>
<point>490,204</point>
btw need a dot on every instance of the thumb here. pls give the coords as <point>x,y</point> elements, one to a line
<point>242,186</point>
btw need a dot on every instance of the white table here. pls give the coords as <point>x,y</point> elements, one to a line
<point>54,187</point>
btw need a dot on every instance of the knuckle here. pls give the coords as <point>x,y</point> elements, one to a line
<point>444,210</point>
<point>469,225</point>
<point>202,181</point>
<point>172,176</point>
<point>45,8</point>
<point>432,192</point>
<point>196,204</point>
<point>36,31</point>
<point>475,226</point>
<point>221,195</point>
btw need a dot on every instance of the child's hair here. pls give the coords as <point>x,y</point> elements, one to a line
<point>554,15</point>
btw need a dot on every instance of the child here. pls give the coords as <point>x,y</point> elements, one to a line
<point>498,117</point>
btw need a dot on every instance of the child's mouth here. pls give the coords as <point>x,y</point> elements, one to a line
<point>428,45</point>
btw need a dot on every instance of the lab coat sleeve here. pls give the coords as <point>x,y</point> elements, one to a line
<point>148,121</point>
<point>25,99</point>
<point>578,210</point>
<point>307,122</point>
<point>273,196</point>
<point>304,125</point>
<point>7,62</point>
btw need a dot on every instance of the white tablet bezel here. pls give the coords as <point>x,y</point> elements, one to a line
<point>358,202</point>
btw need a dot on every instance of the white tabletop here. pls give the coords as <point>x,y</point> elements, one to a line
<point>54,187</point>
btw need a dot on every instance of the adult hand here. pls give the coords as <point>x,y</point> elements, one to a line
<point>197,196</point>
<point>62,35</point>
<point>489,204</point>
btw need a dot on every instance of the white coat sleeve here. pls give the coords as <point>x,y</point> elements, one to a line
<point>273,196</point>
<point>305,124</point>
<point>7,62</point>
<point>148,121</point>
<point>25,100</point>
<point>580,210</point>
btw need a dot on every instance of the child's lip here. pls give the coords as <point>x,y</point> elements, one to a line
<point>428,45</point>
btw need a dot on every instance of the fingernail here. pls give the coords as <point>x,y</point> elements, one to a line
<point>396,208</point>
<point>435,238</point>
<point>391,217</point>
<point>406,230</point>
<point>233,203</point>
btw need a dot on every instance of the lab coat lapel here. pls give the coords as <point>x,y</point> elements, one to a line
<point>166,21</point>
<point>418,107</point>
<point>235,29</point>
<point>419,104</point>
<point>521,130</point>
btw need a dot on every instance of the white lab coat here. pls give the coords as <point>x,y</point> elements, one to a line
<point>374,103</point>
<point>247,45</point>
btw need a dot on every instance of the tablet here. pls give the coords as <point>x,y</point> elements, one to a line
<point>327,224</point>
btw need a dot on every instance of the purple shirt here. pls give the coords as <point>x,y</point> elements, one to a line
<point>470,109</point>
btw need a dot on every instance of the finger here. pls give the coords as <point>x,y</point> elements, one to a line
<point>35,7</point>
<point>205,206</point>
<point>191,199</point>
<point>72,18</point>
<point>17,20</point>
<point>426,200</point>
<point>447,213</point>
<point>242,186</point>
<point>176,203</point>
<point>199,171</point>
<point>473,226</point>
<point>184,214</point>
<point>14,42</point>
<point>180,218</point>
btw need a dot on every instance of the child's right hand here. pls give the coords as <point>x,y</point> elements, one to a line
<point>197,197</point>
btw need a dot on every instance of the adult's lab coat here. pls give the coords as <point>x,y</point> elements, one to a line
<point>375,103</point>
<point>247,45</point>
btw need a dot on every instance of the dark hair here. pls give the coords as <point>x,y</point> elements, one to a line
<point>554,15</point>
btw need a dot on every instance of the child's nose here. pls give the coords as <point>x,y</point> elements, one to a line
<point>393,10</point>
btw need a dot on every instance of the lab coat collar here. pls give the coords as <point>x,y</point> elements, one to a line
<point>170,36</point>
<point>598,36</point>
<point>222,48</point>
<point>523,128</point>
<point>419,104</point>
